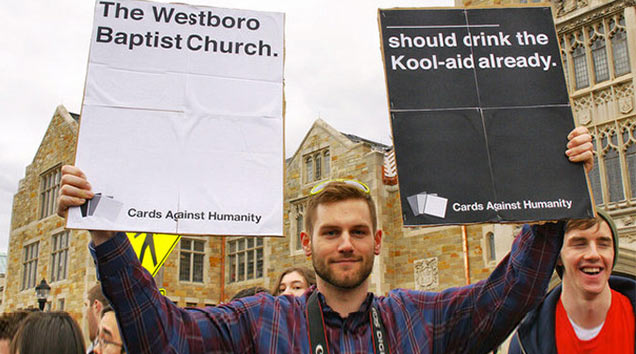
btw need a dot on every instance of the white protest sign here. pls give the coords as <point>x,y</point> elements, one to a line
<point>181,128</point>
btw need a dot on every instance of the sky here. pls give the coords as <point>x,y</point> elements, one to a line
<point>333,71</point>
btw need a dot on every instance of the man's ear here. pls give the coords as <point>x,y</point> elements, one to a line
<point>305,240</point>
<point>559,261</point>
<point>378,242</point>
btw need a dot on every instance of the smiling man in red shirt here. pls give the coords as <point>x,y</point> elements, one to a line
<point>591,312</point>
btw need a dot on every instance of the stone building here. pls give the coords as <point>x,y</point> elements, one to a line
<point>39,246</point>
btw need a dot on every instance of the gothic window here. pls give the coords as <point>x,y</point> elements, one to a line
<point>580,68</point>
<point>245,258</point>
<point>318,169</point>
<point>191,259</point>
<point>317,165</point>
<point>49,186</point>
<point>612,168</point>
<point>309,168</point>
<point>59,256</point>
<point>630,157</point>
<point>564,58</point>
<point>599,55</point>
<point>299,229</point>
<point>492,255</point>
<point>29,265</point>
<point>620,53</point>
<point>595,180</point>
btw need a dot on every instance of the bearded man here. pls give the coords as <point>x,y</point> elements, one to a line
<point>339,314</point>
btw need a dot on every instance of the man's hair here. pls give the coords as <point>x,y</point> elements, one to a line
<point>48,332</point>
<point>95,293</point>
<point>250,292</point>
<point>308,274</point>
<point>337,192</point>
<point>10,322</point>
<point>106,309</point>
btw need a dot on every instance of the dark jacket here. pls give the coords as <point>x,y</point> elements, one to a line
<point>535,334</point>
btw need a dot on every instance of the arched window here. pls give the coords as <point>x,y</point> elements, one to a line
<point>580,62</point>
<point>490,238</point>
<point>318,159</point>
<point>612,169</point>
<point>619,48</point>
<point>299,229</point>
<point>327,162</point>
<point>309,169</point>
<point>630,157</point>
<point>599,58</point>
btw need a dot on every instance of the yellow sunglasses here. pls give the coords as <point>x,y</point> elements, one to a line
<point>352,182</point>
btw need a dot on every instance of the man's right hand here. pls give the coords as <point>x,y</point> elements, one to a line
<point>75,191</point>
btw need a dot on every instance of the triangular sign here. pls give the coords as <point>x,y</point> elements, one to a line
<point>152,249</point>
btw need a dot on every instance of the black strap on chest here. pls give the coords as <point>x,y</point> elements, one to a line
<point>318,334</point>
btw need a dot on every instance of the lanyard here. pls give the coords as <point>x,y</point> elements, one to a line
<point>318,334</point>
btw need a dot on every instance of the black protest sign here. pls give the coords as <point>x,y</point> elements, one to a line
<point>480,115</point>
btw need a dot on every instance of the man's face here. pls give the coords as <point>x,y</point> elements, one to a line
<point>109,340</point>
<point>343,243</point>
<point>587,257</point>
<point>92,320</point>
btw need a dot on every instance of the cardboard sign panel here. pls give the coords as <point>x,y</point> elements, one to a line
<point>480,115</point>
<point>181,129</point>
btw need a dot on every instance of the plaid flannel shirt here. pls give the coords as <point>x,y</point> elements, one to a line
<point>470,319</point>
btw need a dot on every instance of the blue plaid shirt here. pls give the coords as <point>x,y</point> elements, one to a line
<point>470,319</point>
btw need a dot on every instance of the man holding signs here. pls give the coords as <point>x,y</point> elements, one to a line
<point>342,238</point>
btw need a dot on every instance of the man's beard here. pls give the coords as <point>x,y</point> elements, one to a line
<point>327,274</point>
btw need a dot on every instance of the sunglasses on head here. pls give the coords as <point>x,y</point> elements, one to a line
<point>352,182</point>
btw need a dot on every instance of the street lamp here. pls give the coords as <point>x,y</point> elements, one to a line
<point>42,292</point>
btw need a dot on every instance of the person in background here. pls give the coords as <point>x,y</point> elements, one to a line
<point>294,281</point>
<point>591,311</point>
<point>93,306</point>
<point>9,324</point>
<point>48,332</point>
<point>108,337</point>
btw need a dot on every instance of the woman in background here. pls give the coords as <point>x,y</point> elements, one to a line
<point>48,332</point>
<point>294,281</point>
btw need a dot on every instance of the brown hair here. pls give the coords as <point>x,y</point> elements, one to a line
<point>95,293</point>
<point>10,322</point>
<point>583,224</point>
<point>107,309</point>
<point>308,274</point>
<point>337,192</point>
<point>49,332</point>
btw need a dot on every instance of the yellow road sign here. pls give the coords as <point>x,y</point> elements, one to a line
<point>152,249</point>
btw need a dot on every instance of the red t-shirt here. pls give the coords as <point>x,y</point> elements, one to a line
<point>616,336</point>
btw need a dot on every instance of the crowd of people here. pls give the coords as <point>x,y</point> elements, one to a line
<point>32,331</point>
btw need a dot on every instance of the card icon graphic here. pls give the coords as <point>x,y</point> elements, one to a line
<point>428,203</point>
<point>103,206</point>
